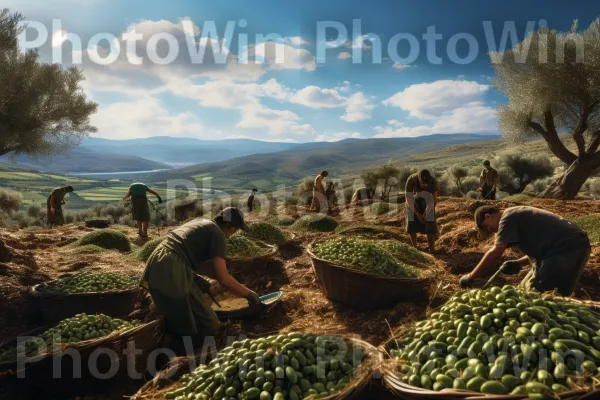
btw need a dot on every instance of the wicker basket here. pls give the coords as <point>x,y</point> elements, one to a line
<point>364,291</point>
<point>166,380</point>
<point>40,373</point>
<point>54,308</point>
<point>239,264</point>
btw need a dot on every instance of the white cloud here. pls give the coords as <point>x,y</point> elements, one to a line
<point>144,117</point>
<point>473,117</point>
<point>432,100</point>
<point>401,67</point>
<point>59,37</point>
<point>335,137</point>
<point>364,42</point>
<point>344,55</point>
<point>295,40</point>
<point>358,108</point>
<point>316,97</point>
<point>276,122</point>
<point>280,56</point>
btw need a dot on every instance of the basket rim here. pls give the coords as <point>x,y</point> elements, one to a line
<point>272,251</point>
<point>362,379</point>
<point>366,274</point>
<point>82,345</point>
<point>393,383</point>
<point>35,293</point>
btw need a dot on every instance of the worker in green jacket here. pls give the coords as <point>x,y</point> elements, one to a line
<point>173,274</point>
<point>139,206</point>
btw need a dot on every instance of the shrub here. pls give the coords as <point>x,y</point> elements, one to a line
<point>457,173</point>
<point>143,253</point>
<point>594,188</point>
<point>523,170</point>
<point>591,225</point>
<point>127,220</point>
<point>380,208</point>
<point>69,218</point>
<point>539,186</point>
<point>315,223</point>
<point>470,183</point>
<point>35,211</point>
<point>107,239</point>
<point>283,220</point>
<point>472,194</point>
<point>10,200</point>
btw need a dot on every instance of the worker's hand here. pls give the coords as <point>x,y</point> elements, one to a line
<point>253,299</point>
<point>511,267</point>
<point>159,200</point>
<point>465,281</point>
<point>421,218</point>
<point>52,210</point>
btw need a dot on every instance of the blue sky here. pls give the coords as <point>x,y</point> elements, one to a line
<point>298,96</point>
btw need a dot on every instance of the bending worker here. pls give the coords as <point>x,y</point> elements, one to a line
<point>139,206</point>
<point>560,248</point>
<point>170,276</point>
<point>54,205</point>
<point>422,192</point>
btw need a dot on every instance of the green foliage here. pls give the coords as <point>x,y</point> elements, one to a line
<point>143,253</point>
<point>315,223</point>
<point>10,200</point>
<point>88,249</point>
<point>43,110</point>
<point>523,170</point>
<point>283,220</point>
<point>384,179</point>
<point>403,252</point>
<point>107,239</point>
<point>35,211</point>
<point>590,224</point>
<point>265,233</point>
<point>380,208</point>
<point>240,246</point>
<point>457,173</point>
<point>363,255</point>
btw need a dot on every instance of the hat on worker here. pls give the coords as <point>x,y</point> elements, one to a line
<point>234,216</point>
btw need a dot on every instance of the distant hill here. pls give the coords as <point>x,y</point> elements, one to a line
<point>346,157</point>
<point>83,159</point>
<point>178,151</point>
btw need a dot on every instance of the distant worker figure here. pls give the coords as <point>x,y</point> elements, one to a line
<point>251,200</point>
<point>318,199</point>
<point>488,181</point>
<point>139,206</point>
<point>422,191</point>
<point>54,205</point>
<point>560,249</point>
<point>330,191</point>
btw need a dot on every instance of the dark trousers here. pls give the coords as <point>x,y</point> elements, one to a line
<point>488,193</point>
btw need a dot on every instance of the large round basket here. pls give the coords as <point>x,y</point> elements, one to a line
<point>392,381</point>
<point>166,380</point>
<point>239,264</point>
<point>56,307</point>
<point>89,367</point>
<point>363,291</point>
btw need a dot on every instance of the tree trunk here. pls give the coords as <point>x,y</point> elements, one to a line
<point>568,184</point>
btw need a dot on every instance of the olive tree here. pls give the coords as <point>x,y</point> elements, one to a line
<point>457,173</point>
<point>386,178</point>
<point>43,110</point>
<point>521,170</point>
<point>552,84</point>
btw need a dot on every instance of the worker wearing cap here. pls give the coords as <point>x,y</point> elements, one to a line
<point>54,205</point>
<point>488,181</point>
<point>422,192</point>
<point>559,249</point>
<point>171,273</point>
